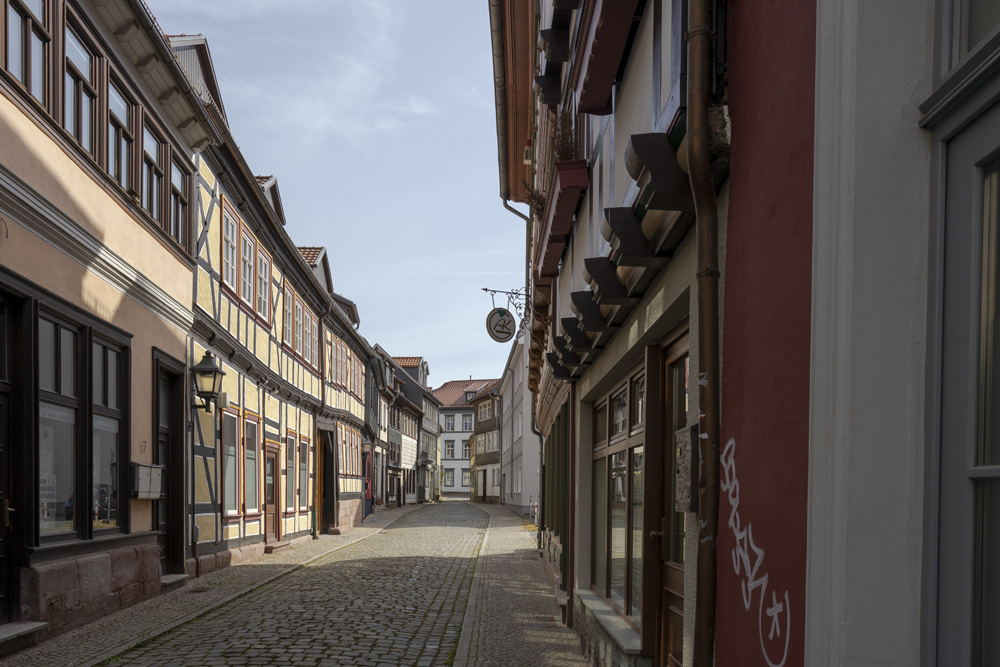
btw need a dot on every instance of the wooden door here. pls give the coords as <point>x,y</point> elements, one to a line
<point>671,648</point>
<point>270,496</point>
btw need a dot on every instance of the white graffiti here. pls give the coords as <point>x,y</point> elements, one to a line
<point>747,561</point>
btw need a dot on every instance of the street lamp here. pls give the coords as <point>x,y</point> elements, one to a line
<point>207,381</point>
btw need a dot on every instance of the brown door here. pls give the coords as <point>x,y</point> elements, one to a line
<point>671,647</point>
<point>270,496</point>
<point>168,510</point>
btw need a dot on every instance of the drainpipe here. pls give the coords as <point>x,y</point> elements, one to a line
<point>700,38</point>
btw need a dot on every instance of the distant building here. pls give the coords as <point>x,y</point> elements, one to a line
<point>519,460</point>
<point>456,417</point>
<point>428,454</point>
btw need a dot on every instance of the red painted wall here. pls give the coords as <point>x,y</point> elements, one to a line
<point>765,383</point>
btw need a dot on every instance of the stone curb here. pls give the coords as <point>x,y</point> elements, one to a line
<point>177,622</point>
<point>478,580</point>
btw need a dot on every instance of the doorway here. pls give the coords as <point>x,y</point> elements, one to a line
<point>168,511</point>
<point>6,514</point>
<point>676,403</point>
<point>270,496</point>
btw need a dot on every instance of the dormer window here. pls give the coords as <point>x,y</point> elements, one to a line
<point>469,395</point>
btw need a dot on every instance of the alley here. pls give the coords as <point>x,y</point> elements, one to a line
<point>444,584</point>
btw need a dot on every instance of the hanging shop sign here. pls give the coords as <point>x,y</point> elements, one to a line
<point>500,325</point>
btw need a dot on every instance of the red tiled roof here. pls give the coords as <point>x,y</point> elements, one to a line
<point>310,254</point>
<point>452,394</point>
<point>408,362</point>
<point>485,389</point>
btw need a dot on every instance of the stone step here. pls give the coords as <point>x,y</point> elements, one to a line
<point>19,635</point>
<point>276,546</point>
<point>169,582</point>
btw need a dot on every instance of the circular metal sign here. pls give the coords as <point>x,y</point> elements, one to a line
<point>500,325</point>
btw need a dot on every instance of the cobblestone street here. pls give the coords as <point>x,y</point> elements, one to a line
<point>417,586</point>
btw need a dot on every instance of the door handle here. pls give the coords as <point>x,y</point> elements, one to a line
<point>7,511</point>
<point>661,533</point>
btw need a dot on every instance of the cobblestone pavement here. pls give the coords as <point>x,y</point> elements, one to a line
<point>402,589</point>
<point>512,617</point>
<point>111,635</point>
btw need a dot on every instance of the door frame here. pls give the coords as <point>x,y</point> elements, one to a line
<point>175,467</point>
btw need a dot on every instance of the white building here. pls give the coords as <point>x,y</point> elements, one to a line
<point>519,452</point>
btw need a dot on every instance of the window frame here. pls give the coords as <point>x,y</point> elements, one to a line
<point>303,453</point>
<point>237,509</point>
<point>251,418</point>
<point>30,25</point>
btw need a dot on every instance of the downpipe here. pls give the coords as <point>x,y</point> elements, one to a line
<point>699,45</point>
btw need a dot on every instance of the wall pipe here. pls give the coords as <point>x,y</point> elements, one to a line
<point>700,38</point>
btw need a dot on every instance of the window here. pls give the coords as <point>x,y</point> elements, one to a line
<point>306,351</point>
<point>449,477</point>
<point>289,306</point>
<point>229,235</point>
<point>230,463</point>
<point>250,446</point>
<point>466,451</point>
<point>466,477</point>
<point>177,223</point>
<point>246,272</point>
<point>119,135</point>
<point>466,422</point>
<point>618,473</point>
<point>449,449</point>
<point>78,112</point>
<point>27,44</point>
<point>79,469</point>
<point>484,410</point>
<point>449,422</point>
<point>151,173</point>
<point>314,342</point>
<point>303,474</point>
<point>290,472</point>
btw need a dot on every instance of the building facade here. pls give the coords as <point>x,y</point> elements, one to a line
<point>101,135</point>
<point>486,444</point>
<point>520,461</point>
<point>456,431</point>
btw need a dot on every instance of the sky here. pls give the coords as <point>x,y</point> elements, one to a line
<point>377,118</point>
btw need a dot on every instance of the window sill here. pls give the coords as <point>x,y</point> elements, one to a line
<point>620,631</point>
<point>74,547</point>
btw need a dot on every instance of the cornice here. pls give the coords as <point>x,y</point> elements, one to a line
<point>23,205</point>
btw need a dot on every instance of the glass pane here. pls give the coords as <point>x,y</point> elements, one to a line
<point>163,402</point>
<point>37,67</point>
<point>984,16</point>
<point>56,467</point>
<point>619,517</point>
<point>601,523</point>
<point>989,332</point>
<point>638,475</point>
<point>303,475</point>
<point>987,584</point>
<point>601,424</point>
<point>290,474</point>
<point>117,104</point>
<point>113,379</point>
<point>36,8</point>
<point>105,478</point>
<point>150,145</point>
<point>124,155</point>
<point>618,414</point>
<point>67,354</point>
<point>98,374</point>
<point>269,480</point>
<point>638,401</point>
<point>15,44</point>
<point>678,379</point>
<point>229,436</point>
<point>69,118</point>
<point>86,125</point>
<point>250,441</point>
<point>177,178</point>
<point>78,55</point>
<point>46,355</point>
